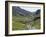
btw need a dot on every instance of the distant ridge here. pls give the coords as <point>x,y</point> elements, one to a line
<point>17,10</point>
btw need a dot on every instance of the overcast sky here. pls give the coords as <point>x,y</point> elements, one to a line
<point>31,9</point>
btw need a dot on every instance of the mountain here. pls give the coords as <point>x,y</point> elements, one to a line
<point>37,13</point>
<point>20,11</point>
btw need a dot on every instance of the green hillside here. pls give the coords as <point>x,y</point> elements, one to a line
<point>21,23</point>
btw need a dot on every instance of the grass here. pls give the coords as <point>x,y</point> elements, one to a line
<point>36,24</point>
<point>18,23</point>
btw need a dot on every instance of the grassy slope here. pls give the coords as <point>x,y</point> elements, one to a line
<point>17,25</point>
